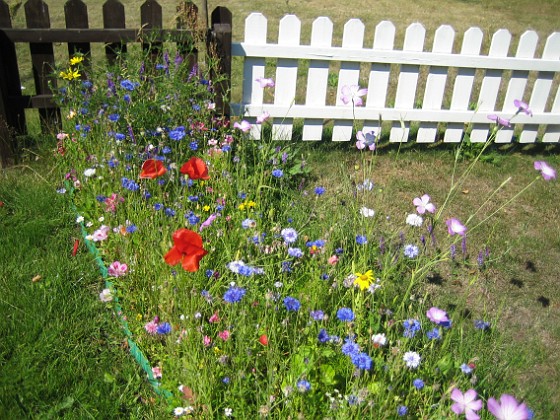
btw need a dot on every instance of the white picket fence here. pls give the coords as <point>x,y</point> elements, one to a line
<point>457,118</point>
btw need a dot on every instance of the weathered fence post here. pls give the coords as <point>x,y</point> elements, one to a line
<point>76,15</point>
<point>151,18</point>
<point>12,112</point>
<point>113,18</point>
<point>219,47</point>
<point>42,60</point>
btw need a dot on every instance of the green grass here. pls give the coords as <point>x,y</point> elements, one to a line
<point>61,354</point>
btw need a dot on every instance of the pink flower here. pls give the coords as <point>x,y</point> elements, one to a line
<point>508,408</point>
<point>244,126</point>
<point>423,204</point>
<point>214,318</point>
<point>263,117</point>
<point>522,107</point>
<point>206,341</point>
<point>438,316</point>
<point>264,83</point>
<point>333,259</point>
<point>499,120</point>
<point>156,370</point>
<point>101,233</point>
<point>454,226</point>
<point>224,335</point>
<point>151,327</point>
<point>466,403</point>
<point>117,269</point>
<point>353,94</point>
<point>546,171</point>
<point>207,222</point>
<point>365,140</point>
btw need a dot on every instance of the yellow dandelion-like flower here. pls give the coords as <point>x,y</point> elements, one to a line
<point>363,281</point>
<point>70,74</point>
<point>76,60</point>
<point>206,208</point>
<point>241,206</point>
<point>251,204</point>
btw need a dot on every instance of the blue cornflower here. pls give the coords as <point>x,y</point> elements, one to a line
<point>418,383</point>
<point>277,173</point>
<point>226,148</point>
<point>169,212</point>
<point>466,369</point>
<point>193,198</point>
<point>402,410</point>
<point>234,294</point>
<point>129,184</point>
<point>119,136</point>
<point>361,361</point>
<point>433,334</point>
<point>177,134</point>
<point>246,270</point>
<point>339,251</point>
<point>114,117</point>
<point>317,315</point>
<point>350,348</point>
<point>158,206</point>
<point>411,327</point>
<point>291,304</point>
<point>166,150</point>
<point>323,336</point>
<point>411,251</point>
<point>290,235</point>
<point>319,190</point>
<point>131,228</point>
<point>192,218</point>
<point>147,195</point>
<point>209,273</point>
<point>226,380</point>
<point>242,195</point>
<point>286,266</point>
<point>303,385</point>
<point>164,328</point>
<point>128,85</point>
<point>345,314</point>
<point>101,198</point>
<point>193,145</point>
<point>295,252</point>
<point>481,325</point>
<point>361,239</point>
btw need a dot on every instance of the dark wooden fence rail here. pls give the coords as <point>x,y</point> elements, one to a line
<point>78,36</point>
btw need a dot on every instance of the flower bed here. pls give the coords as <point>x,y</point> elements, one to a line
<point>249,290</point>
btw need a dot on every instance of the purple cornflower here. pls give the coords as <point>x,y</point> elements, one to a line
<point>277,173</point>
<point>411,327</point>
<point>411,251</point>
<point>317,315</point>
<point>361,360</point>
<point>303,385</point>
<point>361,239</point>
<point>418,383</point>
<point>295,252</point>
<point>402,410</point>
<point>479,324</point>
<point>323,336</point>
<point>164,328</point>
<point>350,348</point>
<point>289,235</point>
<point>433,334</point>
<point>319,190</point>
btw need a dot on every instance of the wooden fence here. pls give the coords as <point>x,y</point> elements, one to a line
<point>77,35</point>
<point>462,110</point>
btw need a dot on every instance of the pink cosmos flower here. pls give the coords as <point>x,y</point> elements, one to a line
<point>244,126</point>
<point>101,233</point>
<point>546,171</point>
<point>436,315</point>
<point>264,83</point>
<point>151,327</point>
<point>454,226</point>
<point>365,140</point>
<point>214,318</point>
<point>423,204</point>
<point>499,120</point>
<point>206,341</point>
<point>466,403</point>
<point>117,269</point>
<point>353,94</point>
<point>508,408</point>
<point>263,117</point>
<point>522,107</point>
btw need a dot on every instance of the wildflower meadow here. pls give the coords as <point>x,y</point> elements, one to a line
<point>247,288</point>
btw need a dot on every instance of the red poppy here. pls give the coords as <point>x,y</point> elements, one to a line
<point>195,168</point>
<point>263,339</point>
<point>75,249</point>
<point>152,169</point>
<point>187,250</point>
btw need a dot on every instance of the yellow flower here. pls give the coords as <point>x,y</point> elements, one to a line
<point>206,208</point>
<point>251,204</point>
<point>70,74</point>
<point>363,281</point>
<point>76,60</point>
<point>241,206</point>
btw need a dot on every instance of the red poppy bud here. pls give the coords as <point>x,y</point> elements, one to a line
<point>263,339</point>
<point>75,249</point>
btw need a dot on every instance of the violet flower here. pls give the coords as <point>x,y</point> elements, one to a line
<point>264,83</point>
<point>466,403</point>
<point>423,204</point>
<point>508,408</point>
<point>365,140</point>
<point>546,171</point>
<point>499,120</point>
<point>244,126</point>
<point>353,94</point>
<point>522,107</point>
<point>454,226</point>
<point>437,316</point>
